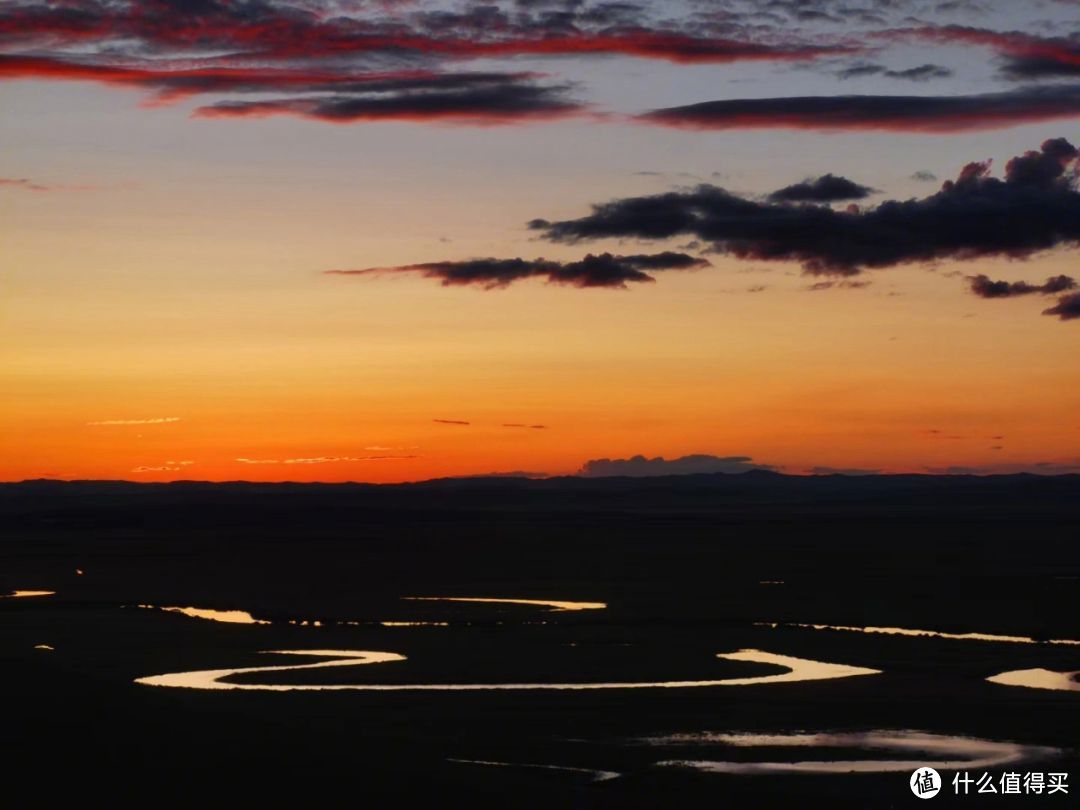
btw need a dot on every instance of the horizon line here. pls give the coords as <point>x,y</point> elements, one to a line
<point>522,478</point>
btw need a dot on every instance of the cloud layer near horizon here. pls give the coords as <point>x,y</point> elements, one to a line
<point>640,466</point>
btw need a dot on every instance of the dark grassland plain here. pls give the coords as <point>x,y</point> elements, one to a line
<point>689,567</point>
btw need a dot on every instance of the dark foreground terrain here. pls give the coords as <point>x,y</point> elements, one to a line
<point>688,567</point>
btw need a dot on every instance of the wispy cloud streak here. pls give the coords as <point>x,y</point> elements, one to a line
<point>160,420</point>
<point>602,270</point>
<point>934,114</point>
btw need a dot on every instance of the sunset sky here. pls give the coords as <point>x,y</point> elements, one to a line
<point>276,240</point>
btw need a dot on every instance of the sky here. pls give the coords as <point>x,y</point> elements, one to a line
<point>379,240</point>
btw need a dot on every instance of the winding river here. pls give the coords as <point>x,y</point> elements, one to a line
<point>1035,678</point>
<point>799,669</point>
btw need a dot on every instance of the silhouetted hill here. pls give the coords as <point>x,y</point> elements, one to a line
<point>756,493</point>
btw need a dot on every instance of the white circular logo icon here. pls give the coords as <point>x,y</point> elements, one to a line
<point>925,783</point>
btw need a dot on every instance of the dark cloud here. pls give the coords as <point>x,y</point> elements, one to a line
<point>1034,208</point>
<point>827,188</point>
<point>1067,308</point>
<point>941,114</point>
<point>924,176</point>
<point>451,422</point>
<point>666,45</point>
<point>603,270</point>
<point>1056,159</point>
<point>921,73</point>
<point>521,425</point>
<point>1041,67</point>
<point>640,466</point>
<point>985,287</point>
<point>505,100</point>
<point>859,71</point>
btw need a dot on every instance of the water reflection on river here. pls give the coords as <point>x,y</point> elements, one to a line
<point>935,750</point>
<point>554,604</point>
<point>1039,679</point>
<point>226,616</point>
<point>24,594</point>
<point>904,631</point>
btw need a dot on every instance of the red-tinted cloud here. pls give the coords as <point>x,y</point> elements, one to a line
<point>172,84</point>
<point>320,61</point>
<point>668,46</point>
<point>1027,56</point>
<point>414,95</point>
<point>281,30</point>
